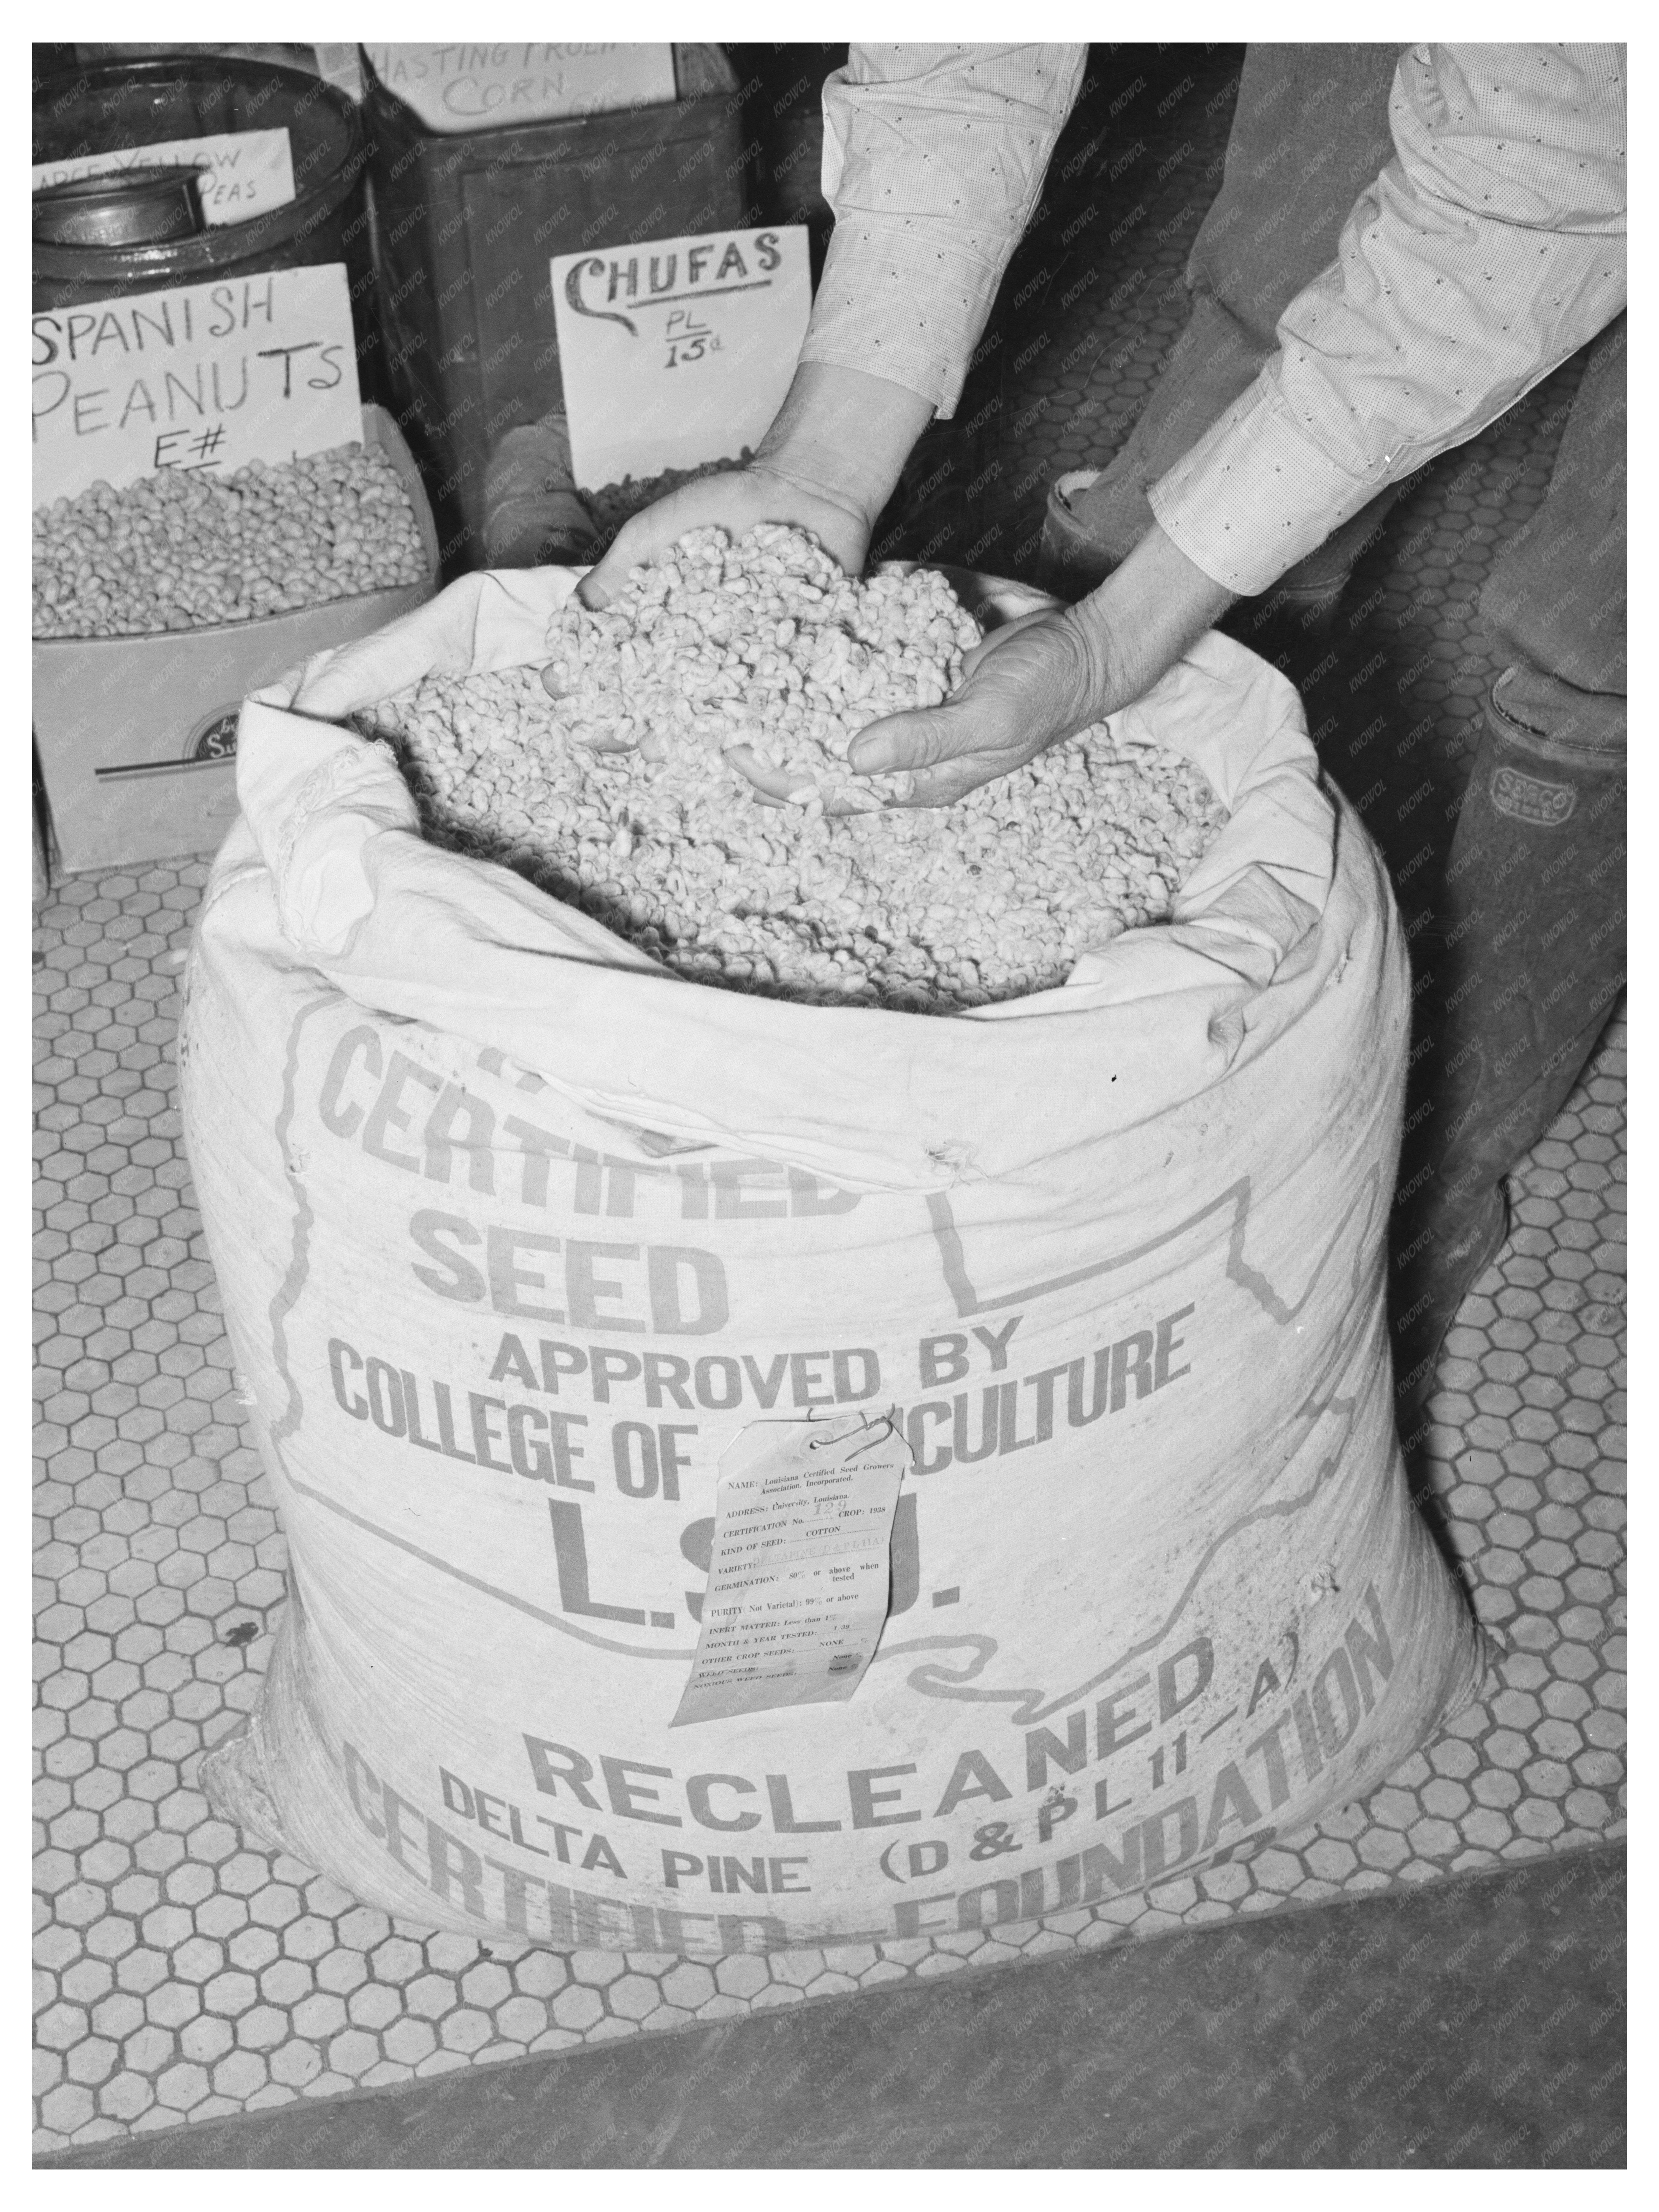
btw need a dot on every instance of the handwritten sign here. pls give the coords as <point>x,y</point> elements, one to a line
<point>678,352</point>
<point>209,376</point>
<point>470,88</point>
<point>800,1568</point>
<point>245,171</point>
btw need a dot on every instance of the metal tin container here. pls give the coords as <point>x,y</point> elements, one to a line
<point>146,206</point>
<point>120,106</point>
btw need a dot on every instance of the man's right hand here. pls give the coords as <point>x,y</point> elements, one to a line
<point>829,464</point>
<point>736,500</point>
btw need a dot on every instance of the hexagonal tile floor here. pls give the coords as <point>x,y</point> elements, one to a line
<point>181,1975</point>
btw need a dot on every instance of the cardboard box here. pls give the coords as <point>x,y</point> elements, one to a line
<point>137,735</point>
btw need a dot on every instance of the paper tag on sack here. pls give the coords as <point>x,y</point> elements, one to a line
<point>244,171</point>
<point>679,351</point>
<point>208,376</point>
<point>798,1576</point>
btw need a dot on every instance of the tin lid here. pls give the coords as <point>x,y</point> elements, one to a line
<point>146,206</point>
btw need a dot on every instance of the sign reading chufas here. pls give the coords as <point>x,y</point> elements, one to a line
<point>679,351</point>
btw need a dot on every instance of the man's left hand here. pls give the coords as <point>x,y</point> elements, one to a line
<point>1048,675</point>
<point>1024,689</point>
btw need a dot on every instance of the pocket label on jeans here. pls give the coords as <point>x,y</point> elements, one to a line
<point>1527,799</point>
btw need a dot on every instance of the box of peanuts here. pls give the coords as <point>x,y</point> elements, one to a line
<point>159,607</point>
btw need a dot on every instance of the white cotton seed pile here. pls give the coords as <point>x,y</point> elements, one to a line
<point>183,548</point>
<point>768,642</point>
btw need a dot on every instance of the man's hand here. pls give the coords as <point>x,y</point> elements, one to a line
<point>737,499</point>
<point>1048,675</point>
<point>829,464</point>
<point>1024,689</point>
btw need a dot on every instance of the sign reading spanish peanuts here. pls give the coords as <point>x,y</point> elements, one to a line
<point>679,351</point>
<point>461,88</point>
<point>208,376</point>
<point>244,172</point>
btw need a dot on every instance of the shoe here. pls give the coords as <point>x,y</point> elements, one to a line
<point>1070,560</point>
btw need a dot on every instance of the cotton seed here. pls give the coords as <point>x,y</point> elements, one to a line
<point>930,910</point>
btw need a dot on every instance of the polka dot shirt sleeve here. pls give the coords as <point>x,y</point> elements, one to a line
<point>933,158</point>
<point>1491,247</point>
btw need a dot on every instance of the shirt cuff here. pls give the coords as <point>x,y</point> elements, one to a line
<point>894,305</point>
<point>1255,494</point>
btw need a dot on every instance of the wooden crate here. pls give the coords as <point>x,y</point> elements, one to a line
<point>465,228</point>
